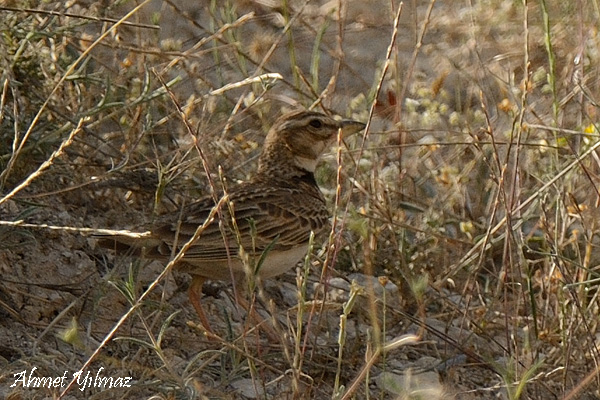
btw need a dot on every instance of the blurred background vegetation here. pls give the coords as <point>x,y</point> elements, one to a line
<point>474,191</point>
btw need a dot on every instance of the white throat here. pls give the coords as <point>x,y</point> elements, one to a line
<point>308,164</point>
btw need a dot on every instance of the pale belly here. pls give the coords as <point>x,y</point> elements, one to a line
<point>276,263</point>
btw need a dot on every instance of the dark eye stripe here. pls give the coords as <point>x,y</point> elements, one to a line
<point>313,120</point>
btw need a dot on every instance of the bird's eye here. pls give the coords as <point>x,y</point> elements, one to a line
<point>315,123</point>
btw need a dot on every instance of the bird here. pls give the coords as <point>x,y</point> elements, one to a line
<point>267,219</point>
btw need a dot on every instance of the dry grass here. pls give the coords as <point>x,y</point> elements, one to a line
<point>472,195</point>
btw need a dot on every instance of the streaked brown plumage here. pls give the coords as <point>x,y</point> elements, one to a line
<point>276,210</point>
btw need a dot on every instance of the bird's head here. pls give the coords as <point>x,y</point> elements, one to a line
<point>301,137</point>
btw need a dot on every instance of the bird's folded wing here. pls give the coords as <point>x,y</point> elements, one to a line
<point>279,219</point>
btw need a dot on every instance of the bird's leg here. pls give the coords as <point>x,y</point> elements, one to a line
<point>195,293</point>
<point>250,307</point>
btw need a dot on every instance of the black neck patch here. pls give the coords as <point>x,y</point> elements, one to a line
<point>306,177</point>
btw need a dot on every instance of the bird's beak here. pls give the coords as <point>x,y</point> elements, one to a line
<point>350,127</point>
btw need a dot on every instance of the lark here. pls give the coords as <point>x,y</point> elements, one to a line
<point>270,217</point>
